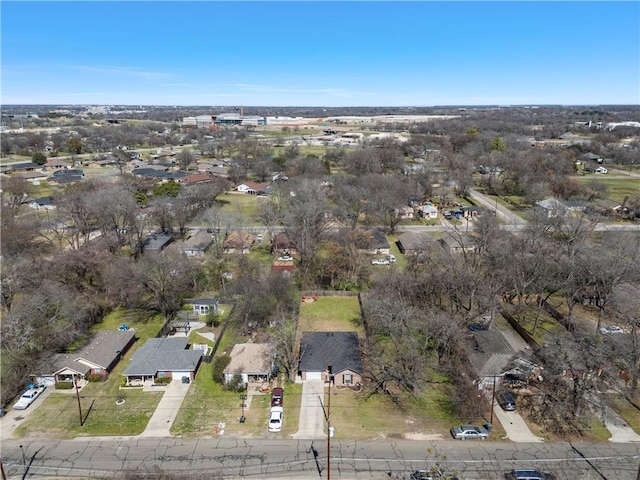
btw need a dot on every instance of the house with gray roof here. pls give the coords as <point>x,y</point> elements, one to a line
<point>340,350</point>
<point>163,357</point>
<point>415,243</point>
<point>552,208</point>
<point>197,244</point>
<point>156,242</point>
<point>98,357</point>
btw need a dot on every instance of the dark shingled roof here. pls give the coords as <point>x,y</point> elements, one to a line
<point>341,350</point>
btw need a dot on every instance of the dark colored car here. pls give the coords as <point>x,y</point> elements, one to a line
<point>506,400</point>
<point>276,396</point>
<point>429,475</point>
<point>528,474</point>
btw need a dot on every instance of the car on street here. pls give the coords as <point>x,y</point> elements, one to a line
<point>380,261</point>
<point>506,400</point>
<point>527,474</point>
<point>285,258</point>
<point>275,419</point>
<point>469,432</point>
<point>259,237</point>
<point>276,396</point>
<point>28,397</point>
<point>611,329</point>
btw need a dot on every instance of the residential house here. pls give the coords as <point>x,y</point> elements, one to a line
<point>239,242</point>
<point>458,243</point>
<point>254,362</point>
<point>428,211</point>
<point>604,207</point>
<point>370,241</point>
<point>34,177</point>
<point>197,244</point>
<point>340,350</point>
<point>284,267</point>
<point>415,243</point>
<point>98,357</point>
<point>552,208</point>
<point>163,357</point>
<point>204,306</point>
<point>156,242</point>
<point>282,245</point>
<point>404,213</point>
<point>42,203</point>
<point>252,188</point>
<point>196,178</point>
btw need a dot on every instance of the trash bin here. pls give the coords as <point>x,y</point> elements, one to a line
<point>185,379</point>
<point>488,427</point>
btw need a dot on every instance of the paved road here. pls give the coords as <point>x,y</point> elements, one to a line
<point>270,458</point>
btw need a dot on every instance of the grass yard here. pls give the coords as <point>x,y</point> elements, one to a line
<point>59,416</point>
<point>245,207</point>
<point>146,323</point>
<point>618,187</point>
<point>626,410</point>
<point>331,314</point>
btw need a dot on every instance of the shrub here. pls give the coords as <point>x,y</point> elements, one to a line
<point>219,364</point>
<point>236,384</point>
<point>64,385</point>
<point>163,380</point>
<point>94,377</point>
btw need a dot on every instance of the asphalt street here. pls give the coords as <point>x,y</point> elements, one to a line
<point>307,459</point>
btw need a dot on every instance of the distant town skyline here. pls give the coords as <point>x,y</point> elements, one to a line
<point>331,53</point>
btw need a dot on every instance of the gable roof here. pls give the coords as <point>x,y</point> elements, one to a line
<point>251,358</point>
<point>163,355</point>
<point>341,350</point>
<point>416,241</point>
<point>103,348</point>
<point>239,240</point>
<point>199,241</point>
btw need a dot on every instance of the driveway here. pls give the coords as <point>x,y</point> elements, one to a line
<point>167,410</point>
<point>311,424</point>
<point>14,418</point>
<point>516,428</point>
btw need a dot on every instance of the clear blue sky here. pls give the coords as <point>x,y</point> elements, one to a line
<point>330,53</point>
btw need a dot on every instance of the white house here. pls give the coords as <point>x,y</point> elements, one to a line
<point>254,362</point>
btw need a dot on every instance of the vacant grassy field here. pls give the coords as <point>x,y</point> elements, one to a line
<point>244,207</point>
<point>618,186</point>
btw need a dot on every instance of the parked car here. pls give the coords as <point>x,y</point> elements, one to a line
<point>506,400</point>
<point>469,432</point>
<point>392,258</point>
<point>28,397</point>
<point>380,261</point>
<point>276,396</point>
<point>611,329</point>
<point>527,474</point>
<point>285,258</point>
<point>259,237</point>
<point>275,419</point>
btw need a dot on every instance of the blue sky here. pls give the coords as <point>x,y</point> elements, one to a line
<point>330,53</point>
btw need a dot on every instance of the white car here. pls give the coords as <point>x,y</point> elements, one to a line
<point>380,261</point>
<point>28,397</point>
<point>285,258</point>
<point>611,329</point>
<point>275,419</point>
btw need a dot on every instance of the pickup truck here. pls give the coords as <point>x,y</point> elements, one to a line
<point>28,397</point>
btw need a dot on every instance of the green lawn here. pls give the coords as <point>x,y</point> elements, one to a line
<point>245,207</point>
<point>618,187</point>
<point>59,416</point>
<point>337,314</point>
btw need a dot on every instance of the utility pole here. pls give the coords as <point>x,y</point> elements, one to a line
<point>329,426</point>
<point>75,382</point>
<point>493,396</point>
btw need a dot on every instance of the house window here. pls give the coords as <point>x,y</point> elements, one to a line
<point>162,374</point>
<point>97,370</point>
<point>347,379</point>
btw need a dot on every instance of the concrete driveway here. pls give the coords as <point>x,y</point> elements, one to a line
<point>516,428</point>
<point>311,424</point>
<point>167,410</point>
<point>14,418</point>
